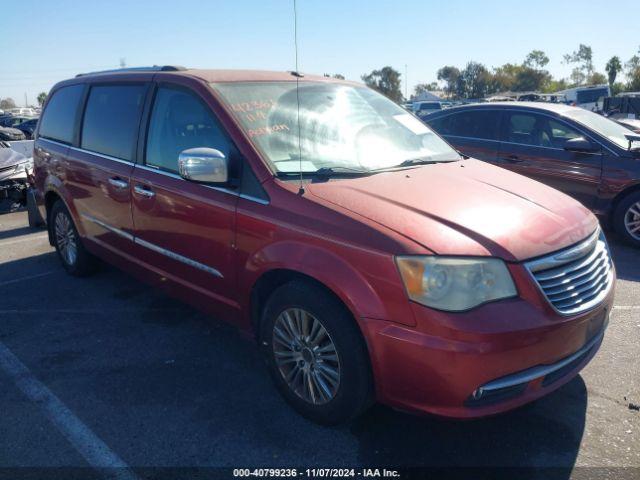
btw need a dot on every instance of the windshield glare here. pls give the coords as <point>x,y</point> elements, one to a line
<point>602,125</point>
<point>341,126</point>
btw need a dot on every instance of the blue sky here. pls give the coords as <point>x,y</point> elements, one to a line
<point>55,39</point>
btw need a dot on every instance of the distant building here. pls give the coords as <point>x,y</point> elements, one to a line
<point>434,96</point>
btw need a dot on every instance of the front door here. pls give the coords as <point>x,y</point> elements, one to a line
<point>533,145</point>
<point>183,229</point>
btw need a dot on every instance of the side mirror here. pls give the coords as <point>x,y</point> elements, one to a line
<point>206,165</point>
<point>581,145</point>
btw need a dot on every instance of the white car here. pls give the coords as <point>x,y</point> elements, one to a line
<point>22,111</point>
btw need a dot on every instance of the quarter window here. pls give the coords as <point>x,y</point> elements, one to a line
<point>180,121</point>
<point>59,118</point>
<point>111,120</point>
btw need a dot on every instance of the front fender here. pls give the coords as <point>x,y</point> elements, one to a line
<point>369,285</point>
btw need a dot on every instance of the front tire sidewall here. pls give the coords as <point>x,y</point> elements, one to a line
<point>354,391</point>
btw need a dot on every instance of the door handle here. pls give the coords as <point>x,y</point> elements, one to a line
<point>118,183</point>
<point>512,159</point>
<point>144,191</point>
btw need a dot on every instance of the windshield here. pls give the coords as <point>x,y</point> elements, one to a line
<point>341,127</point>
<point>604,126</point>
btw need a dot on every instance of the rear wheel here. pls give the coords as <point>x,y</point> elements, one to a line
<point>316,353</point>
<point>627,219</point>
<point>75,259</point>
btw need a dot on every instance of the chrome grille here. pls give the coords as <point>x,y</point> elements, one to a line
<point>575,279</point>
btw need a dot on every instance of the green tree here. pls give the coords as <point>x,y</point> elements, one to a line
<point>424,87</point>
<point>555,86</point>
<point>613,67</point>
<point>42,96</point>
<point>536,59</point>
<point>597,78</point>
<point>530,79</point>
<point>583,58</point>
<point>617,88</point>
<point>503,78</point>
<point>386,81</point>
<point>450,76</point>
<point>633,72</point>
<point>7,103</point>
<point>475,80</point>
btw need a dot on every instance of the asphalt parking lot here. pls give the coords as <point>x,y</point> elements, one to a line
<point>105,369</point>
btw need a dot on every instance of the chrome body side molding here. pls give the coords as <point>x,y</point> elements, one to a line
<point>154,247</point>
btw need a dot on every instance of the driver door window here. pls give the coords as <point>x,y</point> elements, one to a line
<point>180,121</point>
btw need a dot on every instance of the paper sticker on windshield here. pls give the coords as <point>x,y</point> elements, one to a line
<point>412,123</point>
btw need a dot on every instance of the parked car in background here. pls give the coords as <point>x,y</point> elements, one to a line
<point>28,127</point>
<point>14,170</point>
<point>589,97</point>
<point>366,256</point>
<point>632,124</point>
<point>422,109</point>
<point>22,111</point>
<point>13,120</point>
<point>576,151</point>
<point>11,134</point>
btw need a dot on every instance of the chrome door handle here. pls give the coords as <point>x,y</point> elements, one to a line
<point>118,183</point>
<point>144,191</point>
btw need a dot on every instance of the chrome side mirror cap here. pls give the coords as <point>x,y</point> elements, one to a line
<point>205,165</point>
<point>581,145</point>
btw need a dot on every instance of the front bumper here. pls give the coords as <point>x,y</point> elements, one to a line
<point>486,361</point>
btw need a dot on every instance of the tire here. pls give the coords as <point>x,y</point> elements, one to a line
<point>320,356</point>
<point>75,259</point>
<point>626,219</point>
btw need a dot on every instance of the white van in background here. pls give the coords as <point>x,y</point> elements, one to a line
<point>22,111</point>
<point>587,97</point>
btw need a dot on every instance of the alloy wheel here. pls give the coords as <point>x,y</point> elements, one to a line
<point>66,238</point>
<point>306,356</point>
<point>632,220</point>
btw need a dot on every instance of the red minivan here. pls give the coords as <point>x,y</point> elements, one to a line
<point>368,259</point>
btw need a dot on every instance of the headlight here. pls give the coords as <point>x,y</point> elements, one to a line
<point>454,283</point>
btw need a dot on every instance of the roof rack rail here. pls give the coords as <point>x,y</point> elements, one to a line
<point>154,68</point>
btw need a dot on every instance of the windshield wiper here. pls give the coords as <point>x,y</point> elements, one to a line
<point>329,172</point>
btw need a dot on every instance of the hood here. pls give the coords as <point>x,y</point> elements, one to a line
<point>465,208</point>
<point>13,132</point>
<point>9,157</point>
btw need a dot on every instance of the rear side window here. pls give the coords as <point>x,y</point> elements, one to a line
<point>180,121</point>
<point>481,124</point>
<point>111,120</point>
<point>59,118</point>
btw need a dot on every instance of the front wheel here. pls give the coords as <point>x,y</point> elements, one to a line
<point>316,353</point>
<point>75,259</point>
<point>627,219</point>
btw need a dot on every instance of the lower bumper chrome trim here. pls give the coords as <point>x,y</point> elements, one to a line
<point>533,373</point>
